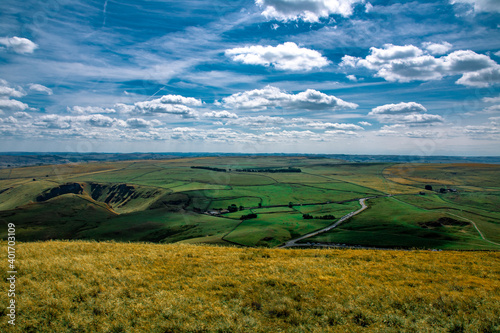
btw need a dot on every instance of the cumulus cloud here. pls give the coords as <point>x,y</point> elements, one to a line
<point>400,108</point>
<point>306,10</point>
<point>142,123</point>
<point>480,5</point>
<point>18,44</point>
<point>405,113</point>
<point>491,99</point>
<point>169,104</point>
<point>273,97</point>
<point>40,88</point>
<point>409,63</point>
<point>220,114</point>
<point>437,48</point>
<point>178,99</point>
<point>12,105</point>
<point>54,121</point>
<point>7,91</point>
<point>97,120</point>
<point>22,115</point>
<point>352,78</point>
<point>287,56</point>
<point>364,123</point>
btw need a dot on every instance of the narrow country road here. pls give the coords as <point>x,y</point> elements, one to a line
<point>293,242</point>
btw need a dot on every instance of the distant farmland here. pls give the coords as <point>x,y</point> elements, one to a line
<point>190,200</point>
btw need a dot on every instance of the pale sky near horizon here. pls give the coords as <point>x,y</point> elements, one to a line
<point>251,76</point>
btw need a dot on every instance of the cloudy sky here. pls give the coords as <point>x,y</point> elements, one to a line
<point>251,76</point>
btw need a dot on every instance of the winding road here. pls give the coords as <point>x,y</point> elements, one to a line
<point>293,242</point>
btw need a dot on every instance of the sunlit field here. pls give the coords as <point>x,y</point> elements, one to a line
<point>134,287</point>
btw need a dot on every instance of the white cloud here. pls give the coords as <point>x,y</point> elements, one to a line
<point>409,63</point>
<point>97,120</point>
<point>12,105</point>
<point>482,131</point>
<point>220,114</point>
<point>491,99</point>
<point>400,108</point>
<point>338,126</point>
<point>364,123</point>
<point>18,44</point>
<point>178,99</point>
<point>287,56</point>
<point>497,53</point>
<point>405,113</point>
<point>141,123</point>
<point>7,91</point>
<point>83,110</point>
<point>168,104</point>
<point>53,121</point>
<point>492,109</point>
<point>436,48</point>
<point>8,120</point>
<point>273,97</point>
<point>257,122</point>
<point>352,78</point>
<point>22,115</point>
<point>40,88</point>
<point>306,10</point>
<point>341,133</point>
<point>481,5</point>
<point>482,78</point>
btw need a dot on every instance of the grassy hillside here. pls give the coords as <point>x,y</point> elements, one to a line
<point>133,287</point>
<point>169,201</point>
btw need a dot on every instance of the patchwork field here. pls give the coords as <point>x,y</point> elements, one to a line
<point>80,286</point>
<point>439,206</point>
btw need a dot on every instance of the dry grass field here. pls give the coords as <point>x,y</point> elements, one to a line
<point>81,286</point>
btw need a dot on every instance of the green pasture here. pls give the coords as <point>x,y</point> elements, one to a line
<point>390,222</point>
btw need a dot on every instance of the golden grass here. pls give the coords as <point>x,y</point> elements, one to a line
<point>121,287</point>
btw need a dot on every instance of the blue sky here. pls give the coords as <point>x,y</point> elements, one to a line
<point>263,76</point>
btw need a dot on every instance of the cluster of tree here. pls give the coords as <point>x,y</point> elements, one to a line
<point>270,170</point>
<point>208,168</point>
<point>323,217</point>
<point>248,216</point>
<point>233,208</point>
<point>441,190</point>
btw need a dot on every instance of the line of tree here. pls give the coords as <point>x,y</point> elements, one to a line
<point>269,170</point>
<point>208,168</point>
<point>322,217</point>
<point>248,216</point>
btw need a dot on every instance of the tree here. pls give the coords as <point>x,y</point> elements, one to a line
<point>442,190</point>
<point>260,204</point>
<point>428,187</point>
<point>307,216</point>
<point>290,204</point>
<point>242,208</point>
<point>232,208</point>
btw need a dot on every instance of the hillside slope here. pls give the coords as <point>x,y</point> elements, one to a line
<point>132,287</point>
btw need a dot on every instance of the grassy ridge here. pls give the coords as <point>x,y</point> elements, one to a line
<point>132,287</point>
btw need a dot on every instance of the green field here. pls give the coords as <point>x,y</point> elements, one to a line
<point>168,201</point>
